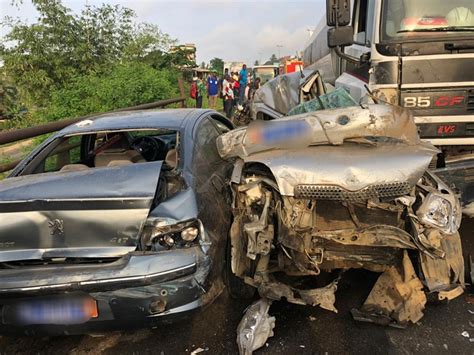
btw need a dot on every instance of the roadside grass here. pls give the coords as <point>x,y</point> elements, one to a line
<point>4,160</point>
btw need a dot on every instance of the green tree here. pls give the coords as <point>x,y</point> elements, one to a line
<point>217,65</point>
<point>173,59</point>
<point>123,85</point>
<point>256,63</point>
<point>46,55</point>
<point>273,59</point>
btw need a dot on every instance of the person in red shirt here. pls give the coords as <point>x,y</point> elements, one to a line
<point>236,88</point>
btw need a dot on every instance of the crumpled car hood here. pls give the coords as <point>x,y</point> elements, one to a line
<point>330,127</point>
<point>331,149</point>
<point>351,166</point>
<point>92,213</point>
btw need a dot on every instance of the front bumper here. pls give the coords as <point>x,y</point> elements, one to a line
<point>142,300</point>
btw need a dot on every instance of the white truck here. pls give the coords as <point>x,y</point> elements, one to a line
<point>417,54</point>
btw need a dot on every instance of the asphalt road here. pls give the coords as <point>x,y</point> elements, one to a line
<point>445,328</point>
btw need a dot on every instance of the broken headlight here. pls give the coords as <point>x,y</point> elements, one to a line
<point>442,213</point>
<point>165,233</point>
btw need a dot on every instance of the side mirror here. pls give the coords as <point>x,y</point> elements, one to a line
<point>338,12</point>
<point>340,36</point>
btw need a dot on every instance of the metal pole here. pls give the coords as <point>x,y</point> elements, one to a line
<point>279,46</point>
<point>14,135</point>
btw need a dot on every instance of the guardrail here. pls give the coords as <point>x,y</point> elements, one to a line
<point>15,135</point>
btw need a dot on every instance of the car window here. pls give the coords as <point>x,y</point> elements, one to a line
<point>67,152</point>
<point>205,148</point>
<point>222,128</point>
<point>103,149</point>
<point>364,21</point>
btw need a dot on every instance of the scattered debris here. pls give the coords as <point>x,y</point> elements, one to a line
<point>465,334</point>
<point>312,319</point>
<point>198,350</point>
<point>255,327</point>
<point>396,297</point>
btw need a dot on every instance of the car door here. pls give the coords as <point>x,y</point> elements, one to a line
<point>211,176</point>
<point>77,212</point>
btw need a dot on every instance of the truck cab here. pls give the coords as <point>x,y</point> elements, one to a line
<point>417,54</point>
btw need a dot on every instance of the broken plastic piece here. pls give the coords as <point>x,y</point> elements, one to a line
<point>396,299</point>
<point>449,295</point>
<point>255,327</point>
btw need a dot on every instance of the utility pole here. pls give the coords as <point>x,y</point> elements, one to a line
<point>279,46</point>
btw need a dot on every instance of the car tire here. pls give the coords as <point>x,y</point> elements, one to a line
<point>236,286</point>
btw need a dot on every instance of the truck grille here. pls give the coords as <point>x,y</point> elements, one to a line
<point>470,100</point>
<point>331,192</point>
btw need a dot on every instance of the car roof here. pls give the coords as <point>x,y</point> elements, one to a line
<point>174,119</point>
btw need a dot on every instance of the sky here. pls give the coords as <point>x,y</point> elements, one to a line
<point>234,30</point>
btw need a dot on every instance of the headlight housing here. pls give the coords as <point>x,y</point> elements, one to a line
<point>442,213</point>
<point>166,233</point>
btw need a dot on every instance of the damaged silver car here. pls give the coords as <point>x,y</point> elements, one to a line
<point>107,224</point>
<point>322,192</point>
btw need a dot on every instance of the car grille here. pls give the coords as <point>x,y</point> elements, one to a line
<point>331,192</point>
<point>470,100</point>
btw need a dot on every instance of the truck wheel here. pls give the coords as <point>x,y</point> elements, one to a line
<point>236,286</point>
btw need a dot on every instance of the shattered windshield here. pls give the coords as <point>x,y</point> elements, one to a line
<point>422,18</point>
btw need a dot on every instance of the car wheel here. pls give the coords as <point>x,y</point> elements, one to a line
<point>236,286</point>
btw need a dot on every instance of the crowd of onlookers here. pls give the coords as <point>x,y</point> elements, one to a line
<point>234,88</point>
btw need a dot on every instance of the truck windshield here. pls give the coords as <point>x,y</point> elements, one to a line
<point>421,18</point>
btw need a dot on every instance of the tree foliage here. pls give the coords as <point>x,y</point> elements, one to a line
<point>273,59</point>
<point>122,86</point>
<point>217,65</point>
<point>61,46</point>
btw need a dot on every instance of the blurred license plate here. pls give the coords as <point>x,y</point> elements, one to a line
<point>278,131</point>
<point>61,310</point>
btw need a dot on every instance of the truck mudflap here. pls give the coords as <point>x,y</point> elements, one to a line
<point>460,176</point>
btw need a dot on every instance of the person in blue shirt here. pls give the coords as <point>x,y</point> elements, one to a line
<point>243,81</point>
<point>212,90</point>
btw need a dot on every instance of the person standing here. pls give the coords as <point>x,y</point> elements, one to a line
<point>228,96</point>
<point>243,81</point>
<point>193,91</point>
<point>221,81</point>
<point>212,90</point>
<point>236,87</point>
<point>201,91</point>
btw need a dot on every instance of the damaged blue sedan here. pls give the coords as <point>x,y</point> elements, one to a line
<point>115,221</point>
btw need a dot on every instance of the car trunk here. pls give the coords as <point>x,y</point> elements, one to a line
<point>96,213</point>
